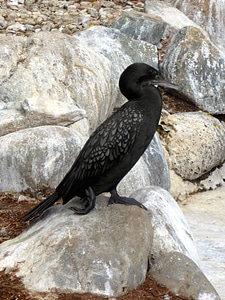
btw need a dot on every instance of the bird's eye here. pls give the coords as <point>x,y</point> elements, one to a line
<point>157,77</point>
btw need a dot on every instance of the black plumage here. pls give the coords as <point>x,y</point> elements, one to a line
<point>115,146</point>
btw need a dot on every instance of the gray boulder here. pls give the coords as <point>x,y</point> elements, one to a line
<point>38,157</point>
<point>207,14</point>
<point>12,50</point>
<point>196,64</point>
<point>156,162</point>
<point>104,252</point>
<point>170,15</point>
<point>191,59</point>
<point>185,277</point>
<point>171,231</point>
<point>51,66</point>
<point>38,111</point>
<point>142,26</point>
<point>195,143</point>
<point>136,178</point>
<point>158,23</point>
<point>151,169</point>
<point>120,49</point>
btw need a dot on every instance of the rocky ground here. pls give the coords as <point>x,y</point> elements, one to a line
<point>28,16</point>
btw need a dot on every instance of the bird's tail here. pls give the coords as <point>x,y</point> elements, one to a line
<point>42,206</point>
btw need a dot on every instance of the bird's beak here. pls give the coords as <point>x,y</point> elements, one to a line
<point>164,83</point>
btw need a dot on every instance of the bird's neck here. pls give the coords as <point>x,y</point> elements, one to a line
<point>151,104</point>
<point>151,98</point>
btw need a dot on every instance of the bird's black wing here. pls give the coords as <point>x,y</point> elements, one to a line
<point>107,146</point>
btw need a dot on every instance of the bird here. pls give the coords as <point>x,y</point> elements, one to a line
<point>115,146</point>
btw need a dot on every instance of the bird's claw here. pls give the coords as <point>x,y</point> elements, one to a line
<point>90,200</point>
<point>116,198</point>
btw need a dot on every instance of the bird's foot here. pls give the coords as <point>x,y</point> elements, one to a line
<point>89,203</point>
<point>116,198</point>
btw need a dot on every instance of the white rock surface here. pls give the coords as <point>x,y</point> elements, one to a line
<point>194,62</point>
<point>156,162</point>
<point>120,49</point>
<point>171,231</point>
<point>195,142</point>
<point>38,111</point>
<point>169,14</point>
<point>38,157</point>
<point>209,14</point>
<point>56,67</point>
<point>186,278</point>
<point>205,215</point>
<point>151,169</point>
<point>51,112</point>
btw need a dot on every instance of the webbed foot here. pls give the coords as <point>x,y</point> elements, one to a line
<point>116,198</point>
<point>89,203</point>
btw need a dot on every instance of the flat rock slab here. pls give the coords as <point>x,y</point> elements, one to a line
<point>205,215</point>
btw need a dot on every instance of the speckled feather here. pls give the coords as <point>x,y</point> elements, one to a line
<point>106,147</point>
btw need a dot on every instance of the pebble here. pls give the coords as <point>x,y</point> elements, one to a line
<point>16,27</point>
<point>26,16</point>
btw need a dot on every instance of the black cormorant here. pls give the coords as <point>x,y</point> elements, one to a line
<point>115,146</point>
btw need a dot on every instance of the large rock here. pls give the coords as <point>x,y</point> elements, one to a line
<point>36,158</point>
<point>194,63</point>
<point>205,214</point>
<point>151,169</point>
<point>12,50</point>
<point>208,14</point>
<point>185,279</point>
<point>195,142</point>
<point>171,231</point>
<point>37,111</point>
<point>136,178</point>
<point>51,66</point>
<point>156,162</point>
<point>142,26</point>
<point>191,59</point>
<point>120,49</point>
<point>180,188</point>
<point>168,14</point>
<point>104,252</point>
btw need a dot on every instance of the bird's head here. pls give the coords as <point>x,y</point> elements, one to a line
<point>134,80</point>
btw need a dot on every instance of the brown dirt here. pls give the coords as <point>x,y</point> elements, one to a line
<point>11,287</point>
